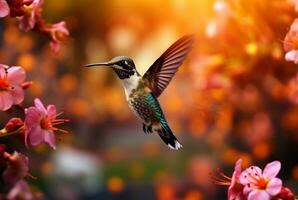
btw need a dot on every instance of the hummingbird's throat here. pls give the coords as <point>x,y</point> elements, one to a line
<point>124,74</point>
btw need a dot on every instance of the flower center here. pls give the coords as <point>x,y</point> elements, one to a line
<point>61,36</point>
<point>3,83</point>
<point>45,123</point>
<point>261,183</point>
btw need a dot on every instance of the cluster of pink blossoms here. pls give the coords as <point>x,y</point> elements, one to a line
<point>29,15</point>
<point>38,127</point>
<point>39,124</point>
<point>254,183</point>
<point>40,121</point>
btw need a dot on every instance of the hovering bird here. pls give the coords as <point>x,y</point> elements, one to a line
<point>142,91</point>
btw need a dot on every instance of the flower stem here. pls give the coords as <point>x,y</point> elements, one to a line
<point>4,133</point>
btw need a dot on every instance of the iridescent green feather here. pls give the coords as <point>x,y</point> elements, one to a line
<point>157,110</point>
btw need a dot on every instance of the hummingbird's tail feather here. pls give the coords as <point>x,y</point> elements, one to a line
<point>168,137</point>
<point>171,141</point>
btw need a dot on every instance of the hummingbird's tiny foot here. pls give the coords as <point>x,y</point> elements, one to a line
<point>147,129</point>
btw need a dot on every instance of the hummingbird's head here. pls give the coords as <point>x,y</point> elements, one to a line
<point>122,65</point>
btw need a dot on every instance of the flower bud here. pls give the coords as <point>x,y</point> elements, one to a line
<point>285,194</point>
<point>14,124</point>
<point>17,167</point>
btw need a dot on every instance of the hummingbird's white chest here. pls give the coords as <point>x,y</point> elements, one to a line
<point>130,84</point>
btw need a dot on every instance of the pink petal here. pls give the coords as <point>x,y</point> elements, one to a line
<point>16,75</point>
<point>294,26</point>
<point>4,8</point>
<point>33,117</point>
<point>236,175</point>
<point>61,26</point>
<point>292,56</point>
<point>258,195</point>
<point>247,189</point>
<point>55,46</point>
<point>49,138</point>
<point>51,109</point>
<point>235,194</point>
<point>274,186</point>
<point>6,100</point>
<point>3,67</point>
<point>27,22</point>
<point>39,105</point>
<point>21,188</point>
<point>37,3</point>
<point>247,176</point>
<point>271,169</point>
<point>36,136</point>
<point>17,168</point>
<point>17,94</point>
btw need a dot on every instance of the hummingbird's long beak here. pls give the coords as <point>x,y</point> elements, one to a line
<point>100,64</point>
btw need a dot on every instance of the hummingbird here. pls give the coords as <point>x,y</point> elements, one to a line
<point>142,91</point>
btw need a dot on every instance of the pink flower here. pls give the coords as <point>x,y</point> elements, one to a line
<point>4,8</point>
<point>17,168</point>
<point>261,185</point>
<point>57,33</point>
<point>11,91</point>
<point>32,15</point>
<point>291,43</point>
<point>22,190</point>
<point>17,7</point>
<point>40,122</point>
<point>292,56</point>
<point>235,188</point>
<point>235,191</point>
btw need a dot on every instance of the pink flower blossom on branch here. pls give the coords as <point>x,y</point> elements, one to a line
<point>11,91</point>
<point>22,190</point>
<point>40,122</point>
<point>261,185</point>
<point>17,168</point>
<point>292,56</point>
<point>31,16</point>
<point>291,43</point>
<point>255,184</point>
<point>235,188</point>
<point>57,33</point>
<point>4,8</point>
<point>17,7</point>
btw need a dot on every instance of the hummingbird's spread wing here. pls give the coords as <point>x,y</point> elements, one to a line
<point>163,69</point>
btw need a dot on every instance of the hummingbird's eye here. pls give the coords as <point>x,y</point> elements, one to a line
<point>125,64</point>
